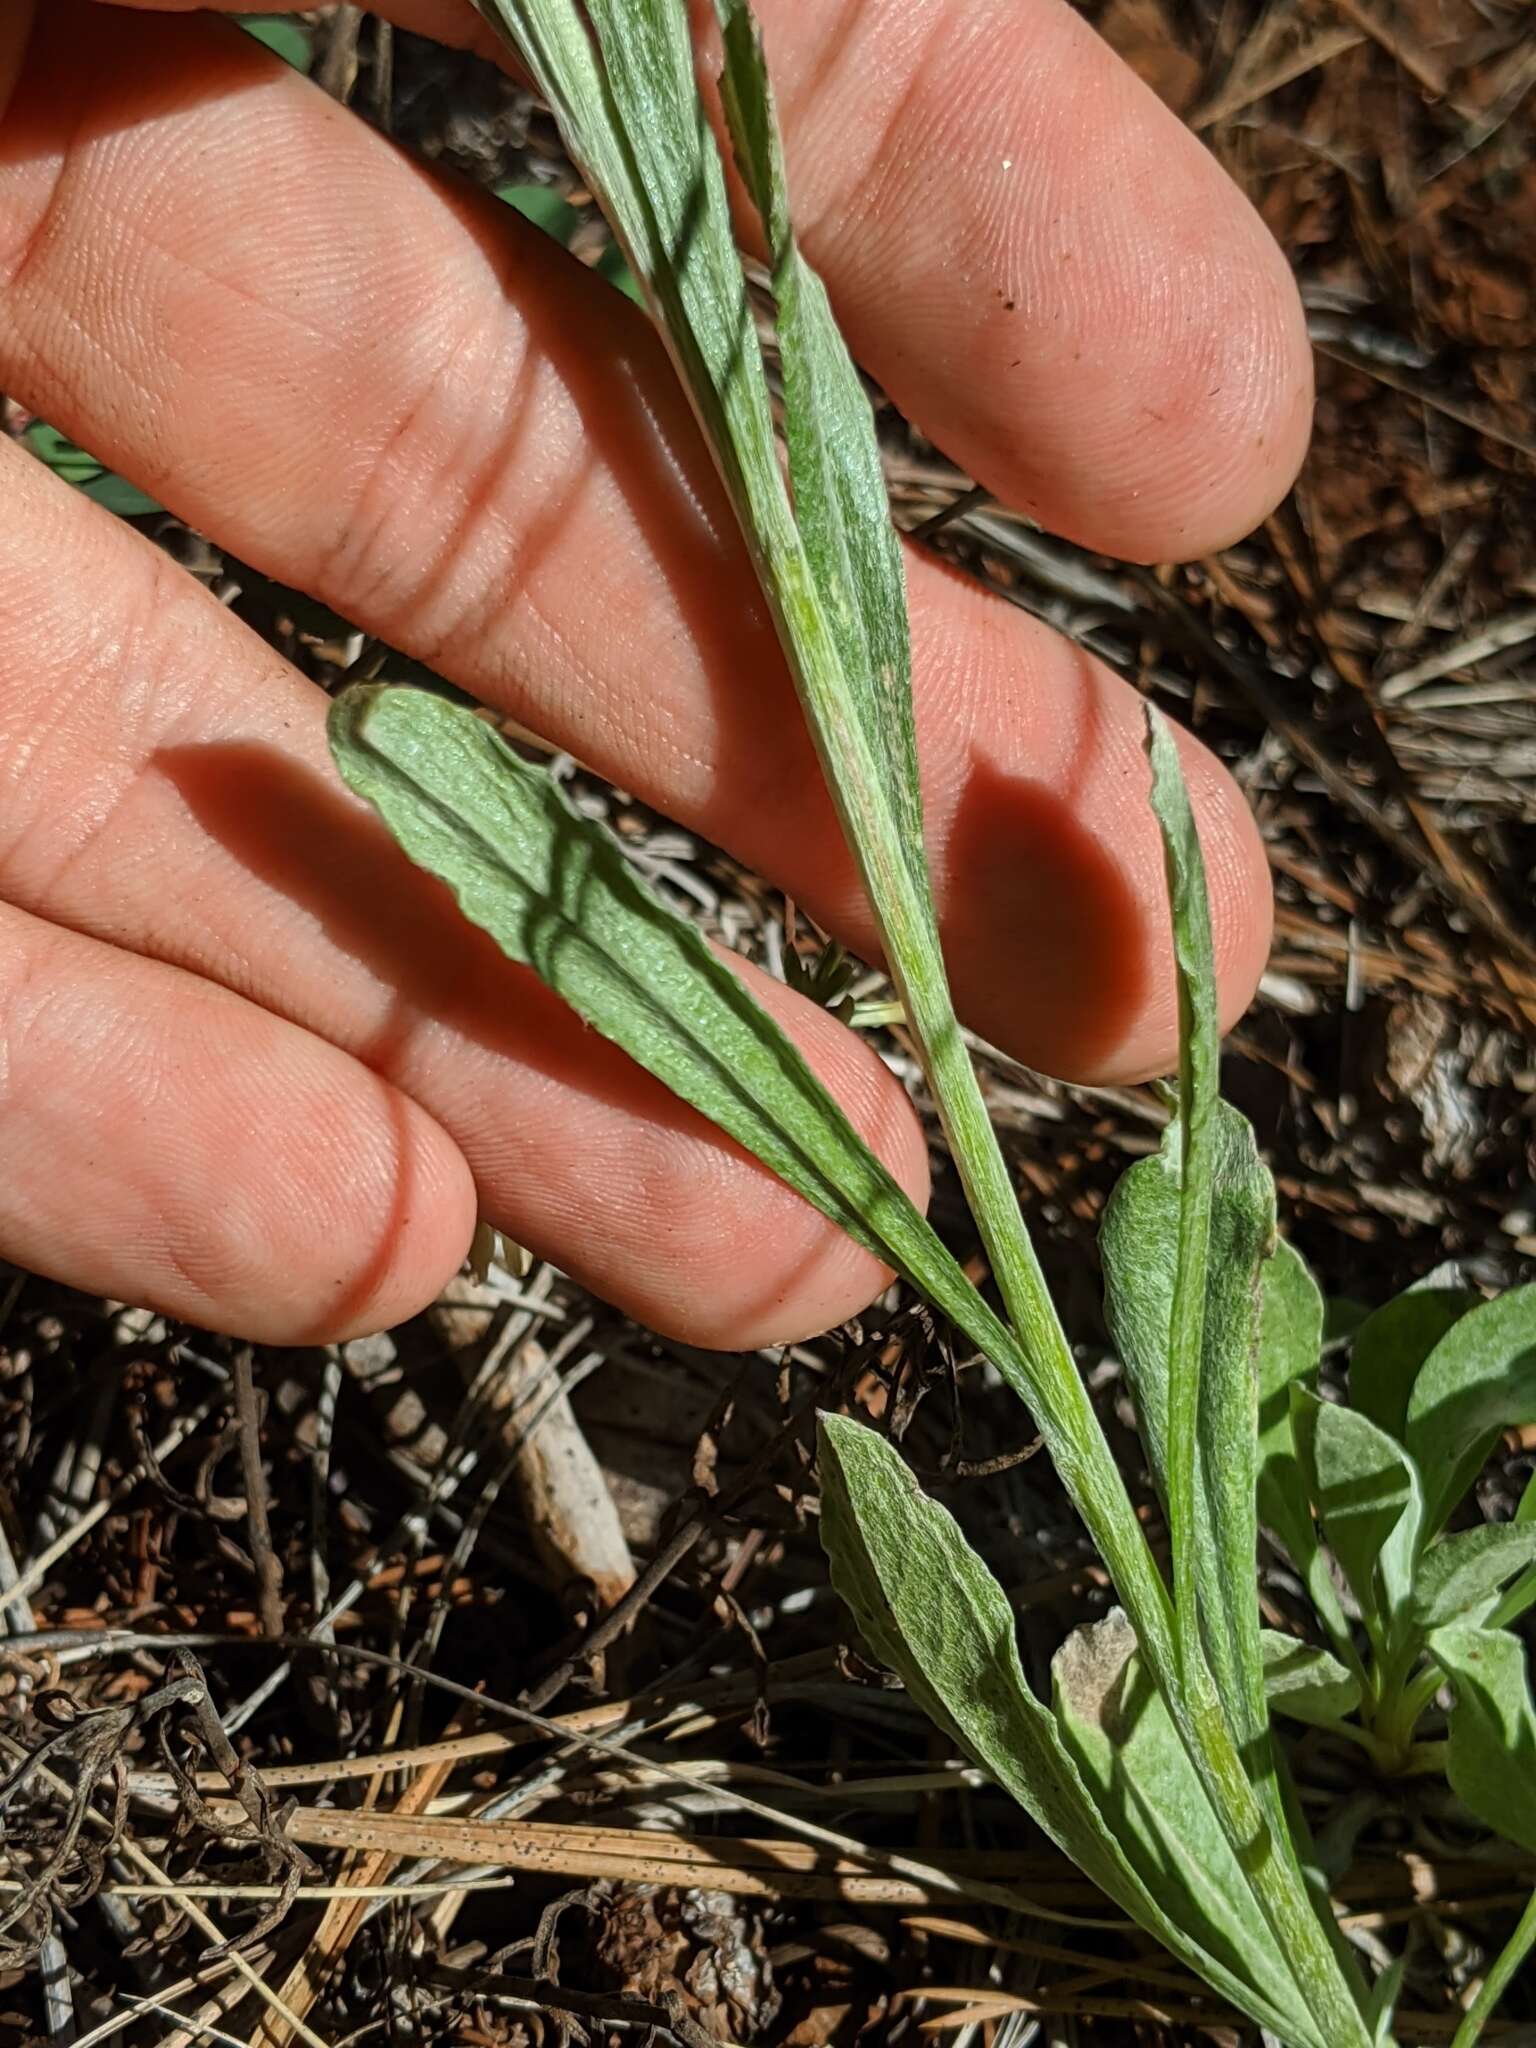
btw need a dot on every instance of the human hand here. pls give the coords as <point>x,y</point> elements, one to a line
<point>253,1067</point>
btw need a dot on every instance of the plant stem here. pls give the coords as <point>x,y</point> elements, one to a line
<point>1403,1701</point>
<point>1496,1983</point>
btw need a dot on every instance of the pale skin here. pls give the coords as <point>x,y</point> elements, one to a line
<point>253,1070</point>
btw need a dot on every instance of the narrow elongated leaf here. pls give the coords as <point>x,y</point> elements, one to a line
<point>1459,1573</point>
<point>1140,1776</point>
<point>1385,1993</point>
<point>835,475</point>
<point>1199,1043</point>
<point>1368,1495</point>
<point>928,1607</point>
<point>1212,1498</point>
<point>1479,1379</point>
<point>1392,1344</point>
<point>1305,1683</point>
<point>556,893</point>
<point>1492,1756</point>
<point>1223,1226</point>
<point>1139,1244</point>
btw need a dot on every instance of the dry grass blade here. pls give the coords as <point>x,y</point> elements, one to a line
<point>343,1917</point>
<point>1258,78</point>
<point>744,1867</point>
<point>1049,1952</point>
<point>35,1572</point>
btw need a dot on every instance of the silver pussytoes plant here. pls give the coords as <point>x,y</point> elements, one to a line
<point>1152,1765</point>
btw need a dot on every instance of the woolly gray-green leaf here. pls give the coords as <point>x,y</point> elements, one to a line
<point>1393,1342</point>
<point>1459,1573</point>
<point>835,472</point>
<point>1367,1494</point>
<point>1491,1761</point>
<point>1139,1245</point>
<point>556,893</point>
<point>1478,1380</point>
<point>928,1607</point>
<point>1223,1224</point>
<point>1291,1323</point>
<point>1141,1778</point>
<point>1306,1683</point>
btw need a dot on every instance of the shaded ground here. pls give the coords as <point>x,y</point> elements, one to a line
<point>1367,663</point>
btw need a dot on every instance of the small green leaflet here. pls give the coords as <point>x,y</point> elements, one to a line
<point>91,478</point>
<point>1492,1760</point>
<point>1392,1343</point>
<point>1305,1683</point>
<point>1479,1379</point>
<point>289,38</point>
<point>1368,1498</point>
<point>1461,1572</point>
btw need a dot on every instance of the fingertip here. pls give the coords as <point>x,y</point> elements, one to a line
<point>1146,387</point>
<point>414,1210</point>
<point>345,1216</point>
<point>1095,324</point>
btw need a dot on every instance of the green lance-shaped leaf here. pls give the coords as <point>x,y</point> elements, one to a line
<point>1491,1761</point>
<point>556,893</point>
<point>1478,1380</point>
<point>1306,1683</point>
<point>1392,1344</point>
<point>1292,1316</point>
<point>930,1609</point>
<point>1458,1575</point>
<point>1139,1245</point>
<point>1367,1493</point>
<point>1221,1223</point>
<point>836,476</point>
<point>1139,1774</point>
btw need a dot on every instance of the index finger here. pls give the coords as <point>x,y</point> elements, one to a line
<point>1040,264</point>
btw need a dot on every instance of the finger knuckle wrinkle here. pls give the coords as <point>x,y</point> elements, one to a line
<point>420,493</point>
